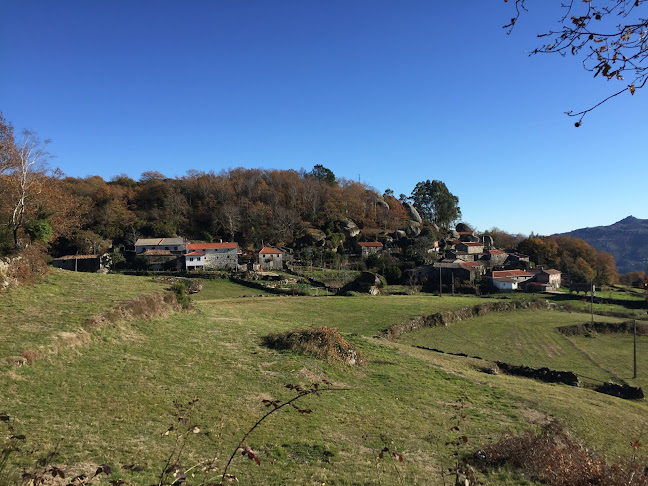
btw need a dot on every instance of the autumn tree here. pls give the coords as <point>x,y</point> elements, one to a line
<point>436,203</point>
<point>607,36</point>
<point>8,158</point>
<point>24,181</point>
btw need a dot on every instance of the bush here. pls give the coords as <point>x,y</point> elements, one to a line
<point>180,291</point>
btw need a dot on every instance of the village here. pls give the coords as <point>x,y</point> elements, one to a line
<point>463,257</point>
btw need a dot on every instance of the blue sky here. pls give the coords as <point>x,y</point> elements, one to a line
<point>389,92</point>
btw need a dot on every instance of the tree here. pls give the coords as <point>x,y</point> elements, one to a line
<point>435,203</point>
<point>608,36</point>
<point>8,157</point>
<point>323,175</point>
<point>26,177</point>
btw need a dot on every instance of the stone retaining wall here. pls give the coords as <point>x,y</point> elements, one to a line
<point>450,317</point>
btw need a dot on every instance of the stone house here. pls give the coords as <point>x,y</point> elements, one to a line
<point>270,258</point>
<point>174,245</point>
<point>162,259</point>
<point>550,277</point>
<point>367,248</point>
<point>497,258</point>
<point>80,263</point>
<point>470,247</point>
<point>213,255</point>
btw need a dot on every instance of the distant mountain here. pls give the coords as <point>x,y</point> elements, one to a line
<point>626,240</point>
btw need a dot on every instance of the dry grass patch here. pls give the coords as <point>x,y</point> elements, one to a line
<point>322,342</point>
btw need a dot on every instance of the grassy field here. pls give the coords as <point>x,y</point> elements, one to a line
<point>112,401</point>
<point>530,338</point>
<point>30,316</point>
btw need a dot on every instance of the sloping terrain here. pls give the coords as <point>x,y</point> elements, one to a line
<point>113,401</point>
<point>625,240</point>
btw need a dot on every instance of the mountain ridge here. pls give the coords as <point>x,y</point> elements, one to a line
<point>626,240</point>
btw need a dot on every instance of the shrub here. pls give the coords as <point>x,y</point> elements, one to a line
<point>322,342</point>
<point>180,291</point>
<point>557,458</point>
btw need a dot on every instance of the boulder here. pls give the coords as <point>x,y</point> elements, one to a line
<point>463,227</point>
<point>366,283</point>
<point>398,234</point>
<point>487,240</point>
<point>349,228</point>
<point>412,213</point>
<point>413,229</point>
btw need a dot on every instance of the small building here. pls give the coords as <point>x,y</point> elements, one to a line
<point>162,260</point>
<point>80,263</point>
<point>470,247</point>
<point>370,248</point>
<point>496,257</point>
<point>550,277</point>
<point>270,258</point>
<point>505,284</point>
<point>215,255</point>
<point>194,260</point>
<point>174,245</point>
<point>517,275</point>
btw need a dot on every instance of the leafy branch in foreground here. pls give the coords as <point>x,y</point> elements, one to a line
<point>608,35</point>
<point>275,406</point>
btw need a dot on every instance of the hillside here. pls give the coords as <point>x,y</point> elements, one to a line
<point>625,240</point>
<point>110,400</point>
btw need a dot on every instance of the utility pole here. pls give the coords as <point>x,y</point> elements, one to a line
<point>440,283</point>
<point>634,332</point>
<point>592,301</point>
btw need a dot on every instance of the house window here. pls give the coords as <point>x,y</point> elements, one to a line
<point>166,247</point>
<point>191,259</point>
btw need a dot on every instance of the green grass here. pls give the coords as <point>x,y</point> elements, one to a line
<point>112,401</point>
<point>29,316</point>
<point>225,289</point>
<point>530,338</point>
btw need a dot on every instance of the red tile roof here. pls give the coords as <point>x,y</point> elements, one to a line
<point>469,243</point>
<point>472,264</point>
<point>195,253</point>
<point>371,244</point>
<point>511,273</point>
<point>268,250</point>
<point>496,252</point>
<point>212,246</point>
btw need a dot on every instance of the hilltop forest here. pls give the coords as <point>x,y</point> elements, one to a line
<point>288,208</point>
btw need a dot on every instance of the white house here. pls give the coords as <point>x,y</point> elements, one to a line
<point>270,258</point>
<point>214,255</point>
<point>505,284</point>
<point>195,260</point>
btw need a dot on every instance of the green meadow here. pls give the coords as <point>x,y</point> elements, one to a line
<point>112,400</point>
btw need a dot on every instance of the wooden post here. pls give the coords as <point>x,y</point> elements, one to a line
<point>634,332</point>
<point>440,284</point>
<point>592,301</point>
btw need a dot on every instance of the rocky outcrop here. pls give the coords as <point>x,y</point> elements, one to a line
<point>366,283</point>
<point>413,229</point>
<point>349,228</point>
<point>412,213</point>
<point>463,227</point>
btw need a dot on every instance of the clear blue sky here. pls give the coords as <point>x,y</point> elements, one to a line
<point>389,92</point>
